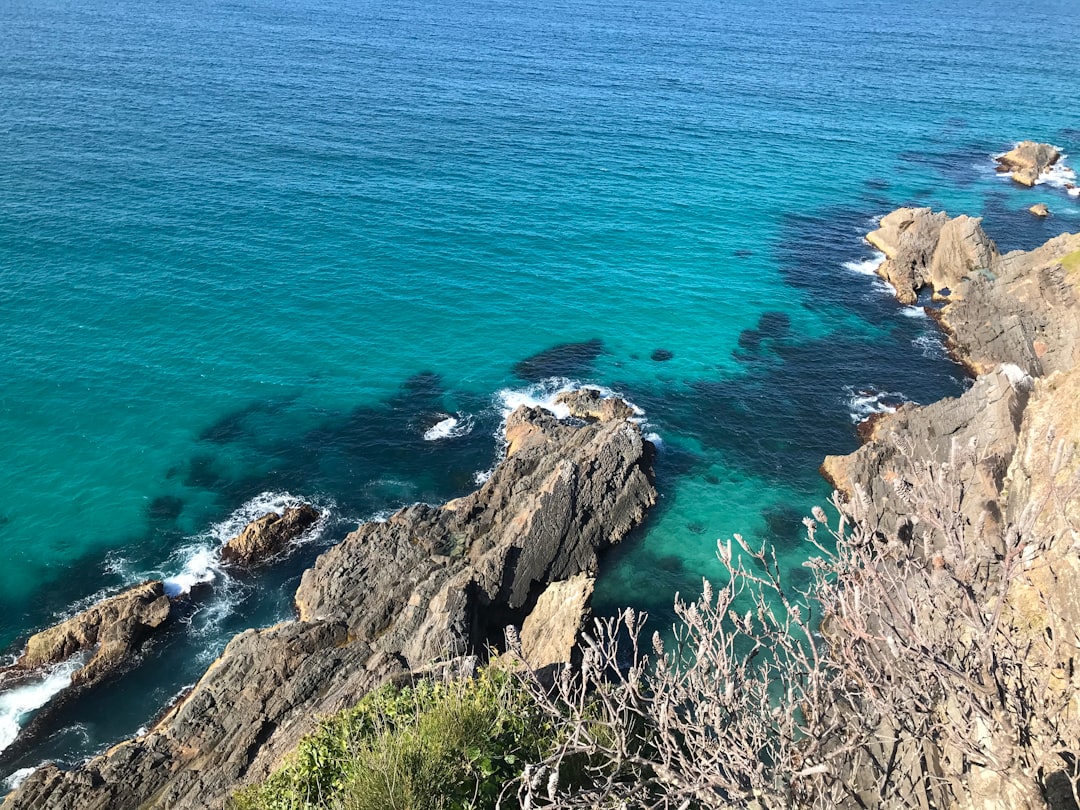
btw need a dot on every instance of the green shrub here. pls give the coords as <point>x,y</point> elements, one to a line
<point>432,746</point>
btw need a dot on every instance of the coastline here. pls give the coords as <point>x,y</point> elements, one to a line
<point>1001,399</point>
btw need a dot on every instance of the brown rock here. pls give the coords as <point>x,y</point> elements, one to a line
<point>590,403</point>
<point>962,250</point>
<point>877,479</point>
<point>1040,210</point>
<point>269,535</point>
<point>1020,308</point>
<point>1027,160</point>
<point>116,626</point>
<point>908,238</point>
<point>551,630</point>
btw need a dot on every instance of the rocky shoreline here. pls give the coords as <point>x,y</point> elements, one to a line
<point>426,585</point>
<point>999,464</point>
<point>432,583</point>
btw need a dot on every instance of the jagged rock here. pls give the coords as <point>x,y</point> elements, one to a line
<point>551,630</point>
<point>1019,308</point>
<point>1027,160</point>
<point>590,403</point>
<point>425,585</point>
<point>1041,495</point>
<point>973,436</point>
<point>907,237</point>
<point>1040,210</point>
<point>962,250</point>
<point>115,628</point>
<point>268,535</point>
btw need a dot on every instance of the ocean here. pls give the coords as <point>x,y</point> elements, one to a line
<point>253,251</point>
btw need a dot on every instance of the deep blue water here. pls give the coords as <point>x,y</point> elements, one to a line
<point>254,248</point>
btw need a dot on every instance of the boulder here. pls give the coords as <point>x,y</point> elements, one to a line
<point>1040,210</point>
<point>426,585</point>
<point>269,535</point>
<point>1027,160</point>
<point>550,632</point>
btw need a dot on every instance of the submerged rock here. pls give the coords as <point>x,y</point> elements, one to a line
<point>564,360</point>
<point>268,535</point>
<point>428,584</point>
<point>1027,160</point>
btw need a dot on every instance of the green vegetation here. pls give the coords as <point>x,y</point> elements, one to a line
<point>1071,261</point>
<point>433,746</point>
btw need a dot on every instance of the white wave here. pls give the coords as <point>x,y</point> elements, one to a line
<point>482,476</point>
<point>913,312</point>
<point>1057,176</point>
<point>654,438</point>
<point>18,704</point>
<point>931,346</point>
<point>450,428</point>
<point>866,267</point>
<point>537,395</point>
<point>543,395</point>
<point>865,402</point>
<point>16,779</point>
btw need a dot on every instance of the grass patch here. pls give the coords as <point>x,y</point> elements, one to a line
<point>432,746</point>
<point>1071,261</point>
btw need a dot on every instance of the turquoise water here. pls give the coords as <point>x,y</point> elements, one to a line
<point>254,248</point>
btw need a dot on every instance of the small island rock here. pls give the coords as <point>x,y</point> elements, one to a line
<point>1040,210</point>
<point>116,626</point>
<point>1027,161</point>
<point>268,535</point>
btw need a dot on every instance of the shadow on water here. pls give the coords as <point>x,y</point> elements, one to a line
<point>571,360</point>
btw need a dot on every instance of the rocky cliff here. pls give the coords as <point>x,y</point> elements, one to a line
<point>998,467</point>
<point>425,585</point>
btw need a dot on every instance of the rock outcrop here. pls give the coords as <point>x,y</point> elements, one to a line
<point>268,535</point>
<point>973,437</point>
<point>924,248</point>
<point>1027,160</point>
<point>999,468</point>
<point>1019,308</point>
<point>114,629</point>
<point>427,584</point>
<point>1040,210</point>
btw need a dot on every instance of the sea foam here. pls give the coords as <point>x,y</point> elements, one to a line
<point>863,403</point>
<point>18,704</point>
<point>450,428</point>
